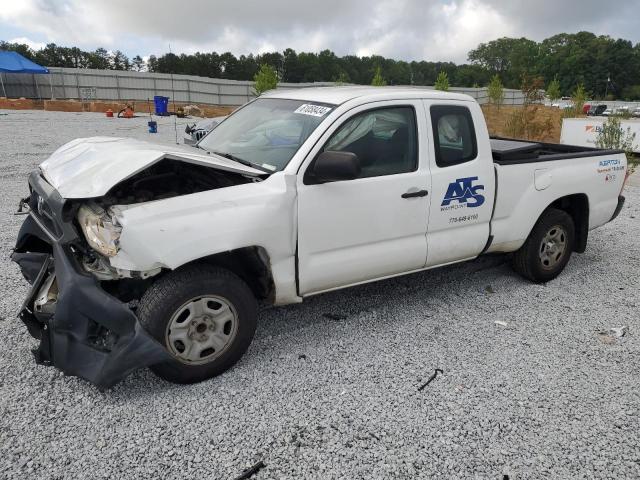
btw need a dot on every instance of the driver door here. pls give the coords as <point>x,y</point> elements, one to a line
<point>373,226</point>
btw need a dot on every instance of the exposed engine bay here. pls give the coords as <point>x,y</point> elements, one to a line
<point>165,179</point>
<point>170,178</point>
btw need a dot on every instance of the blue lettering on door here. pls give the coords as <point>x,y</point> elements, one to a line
<point>464,192</point>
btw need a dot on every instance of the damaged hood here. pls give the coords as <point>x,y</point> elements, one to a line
<point>90,167</point>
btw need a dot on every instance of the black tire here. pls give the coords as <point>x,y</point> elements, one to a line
<point>527,260</point>
<point>167,295</point>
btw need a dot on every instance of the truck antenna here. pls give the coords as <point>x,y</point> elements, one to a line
<point>173,96</point>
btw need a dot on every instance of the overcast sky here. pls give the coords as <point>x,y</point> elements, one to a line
<point>401,29</point>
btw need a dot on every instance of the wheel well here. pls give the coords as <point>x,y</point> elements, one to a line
<point>251,264</point>
<point>33,243</point>
<point>577,206</point>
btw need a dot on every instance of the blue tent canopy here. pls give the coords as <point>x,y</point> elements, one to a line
<point>13,62</point>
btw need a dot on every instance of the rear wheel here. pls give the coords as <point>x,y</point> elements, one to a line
<point>204,316</point>
<point>548,248</point>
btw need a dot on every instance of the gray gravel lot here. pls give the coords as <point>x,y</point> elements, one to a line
<point>315,397</point>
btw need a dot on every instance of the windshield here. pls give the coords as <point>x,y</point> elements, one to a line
<point>267,132</point>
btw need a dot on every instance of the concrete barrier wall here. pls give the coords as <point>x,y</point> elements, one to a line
<point>85,84</point>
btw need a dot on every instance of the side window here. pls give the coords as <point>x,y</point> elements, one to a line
<point>453,135</point>
<point>384,139</point>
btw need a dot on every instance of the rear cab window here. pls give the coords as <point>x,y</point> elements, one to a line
<point>454,136</point>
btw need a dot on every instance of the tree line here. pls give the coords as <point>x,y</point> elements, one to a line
<point>605,66</point>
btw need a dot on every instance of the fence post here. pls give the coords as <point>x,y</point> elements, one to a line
<point>78,86</point>
<point>117,85</point>
<point>188,91</point>
<point>35,82</point>
<point>64,88</point>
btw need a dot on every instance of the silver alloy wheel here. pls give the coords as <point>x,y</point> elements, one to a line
<point>201,329</point>
<point>552,247</point>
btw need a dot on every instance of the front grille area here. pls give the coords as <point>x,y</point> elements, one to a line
<point>44,213</point>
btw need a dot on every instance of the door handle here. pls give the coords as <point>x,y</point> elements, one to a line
<point>419,193</point>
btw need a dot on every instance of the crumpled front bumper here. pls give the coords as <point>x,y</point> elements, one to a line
<point>90,333</point>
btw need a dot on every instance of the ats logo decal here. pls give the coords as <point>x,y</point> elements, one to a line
<point>464,192</point>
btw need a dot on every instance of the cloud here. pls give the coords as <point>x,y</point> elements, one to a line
<point>407,29</point>
<point>27,41</point>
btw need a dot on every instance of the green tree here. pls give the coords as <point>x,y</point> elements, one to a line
<point>309,67</point>
<point>579,96</point>
<point>342,78</point>
<point>442,82</point>
<point>495,90</point>
<point>508,57</point>
<point>590,59</point>
<point>470,75</point>
<point>229,67</point>
<point>152,63</point>
<point>378,81</point>
<point>99,59</point>
<point>553,90</point>
<point>631,93</point>
<point>265,79</point>
<point>119,61</point>
<point>329,67</point>
<point>604,65</point>
<point>275,59</point>
<point>21,48</point>
<point>248,66</point>
<point>291,71</point>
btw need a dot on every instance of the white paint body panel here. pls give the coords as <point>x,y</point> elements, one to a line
<point>89,167</point>
<point>520,204</point>
<point>356,230</point>
<point>450,238</point>
<point>340,233</point>
<point>542,178</point>
<point>172,232</point>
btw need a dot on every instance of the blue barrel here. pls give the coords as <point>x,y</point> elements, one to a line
<point>161,105</point>
<point>153,126</point>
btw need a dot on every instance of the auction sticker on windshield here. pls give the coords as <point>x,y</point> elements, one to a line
<point>315,110</point>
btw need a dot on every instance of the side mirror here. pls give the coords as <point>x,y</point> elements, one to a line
<point>332,166</point>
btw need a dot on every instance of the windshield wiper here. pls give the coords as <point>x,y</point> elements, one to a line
<point>242,161</point>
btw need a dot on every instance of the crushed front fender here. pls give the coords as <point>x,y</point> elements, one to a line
<point>90,333</point>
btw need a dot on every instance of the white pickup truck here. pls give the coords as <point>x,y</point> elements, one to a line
<point>148,255</point>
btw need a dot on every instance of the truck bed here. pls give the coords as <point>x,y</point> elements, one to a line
<point>525,186</point>
<point>508,151</point>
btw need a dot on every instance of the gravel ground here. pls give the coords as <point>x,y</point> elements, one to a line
<point>319,397</point>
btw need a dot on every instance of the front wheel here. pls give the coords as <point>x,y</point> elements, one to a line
<point>548,248</point>
<point>204,316</point>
